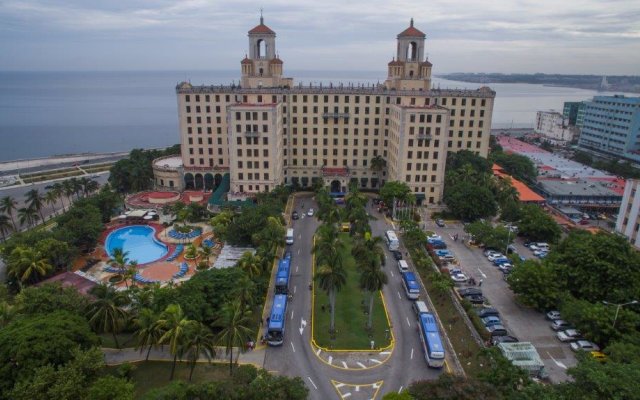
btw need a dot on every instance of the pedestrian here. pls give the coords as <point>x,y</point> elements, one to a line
<point>480,283</point>
<point>268,319</point>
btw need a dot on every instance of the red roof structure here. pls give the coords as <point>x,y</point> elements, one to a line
<point>525,194</point>
<point>245,60</point>
<point>262,28</point>
<point>70,279</point>
<point>411,31</point>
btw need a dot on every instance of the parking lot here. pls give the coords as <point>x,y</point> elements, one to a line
<point>526,324</point>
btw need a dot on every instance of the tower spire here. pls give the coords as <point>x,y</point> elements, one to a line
<point>262,19</point>
<point>410,24</point>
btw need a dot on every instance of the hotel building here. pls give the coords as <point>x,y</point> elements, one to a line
<point>269,131</point>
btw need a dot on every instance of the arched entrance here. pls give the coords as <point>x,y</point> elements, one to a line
<point>217,180</point>
<point>335,186</point>
<point>199,182</point>
<point>208,182</point>
<point>188,181</point>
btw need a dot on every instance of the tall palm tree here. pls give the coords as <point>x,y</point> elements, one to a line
<point>5,226</point>
<point>235,321</point>
<point>244,290</point>
<point>148,331</point>
<point>250,264</point>
<point>67,189</point>
<point>205,253</point>
<point>327,244</point>
<point>27,265</point>
<point>58,190</point>
<point>92,186</point>
<point>130,273</point>
<point>8,205</point>
<point>372,279</point>
<point>27,215</point>
<point>119,258</point>
<point>107,313</point>
<point>175,325</point>
<point>76,186</point>
<point>331,277</point>
<point>369,248</point>
<point>35,201</point>
<point>83,183</point>
<point>51,198</point>
<point>198,341</point>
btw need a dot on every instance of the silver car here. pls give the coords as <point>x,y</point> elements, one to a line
<point>584,345</point>
<point>570,335</point>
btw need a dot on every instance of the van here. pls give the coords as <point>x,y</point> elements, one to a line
<point>420,307</point>
<point>289,237</point>
<point>403,266</point>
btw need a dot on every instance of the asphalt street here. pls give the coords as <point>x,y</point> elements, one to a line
<point>297,358</point>
<point>526,324</point>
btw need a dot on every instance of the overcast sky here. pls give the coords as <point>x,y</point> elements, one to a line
<point>550,36</point>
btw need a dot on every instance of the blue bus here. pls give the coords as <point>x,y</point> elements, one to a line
<point>282,276</point>
<point>275,328</point>
<point>430,340</point>
<point>411,286</point>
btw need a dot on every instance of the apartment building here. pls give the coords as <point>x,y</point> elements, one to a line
<point>628,222</point>
<point>554,127</point>
<point>269,131</point>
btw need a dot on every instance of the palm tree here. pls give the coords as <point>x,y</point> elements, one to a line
<point>67,189</point>
<point>372,279</point>
<point>27,215</point>
<point>27,265</point>
<point>119,258</point>
<point>7,312</point>
<point>369,248</point>
<point>205,252</point>
<point>198,340</point>
<point>106,313</point>
<point>8,205</point>
<point>235,322</point>
<point>5,226</point>
<point>83,183</point>
<point>92,186</point>
<point>76,186</point>
<point>331,277</point>
<point>378,163</point>
<point>58,190</point>
<point>244,290</point>
<point>51,198</point>
<point>130,273</point>
<point>148,330</point>
<point>250,264</point>
<point>36,201</point>
<point>175,325</point>
<point>328,243</point>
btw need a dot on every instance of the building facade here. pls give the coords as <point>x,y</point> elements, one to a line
<point>611,128</point>
<point>269,131</point>
<point>554,127</point>
<point>573,112</point>
<point>628,222</point>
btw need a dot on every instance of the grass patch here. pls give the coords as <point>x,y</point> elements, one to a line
<point>46,177</point>
<point>149,375</point>
<point>350,317</point>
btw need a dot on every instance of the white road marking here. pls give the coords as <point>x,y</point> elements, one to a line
<point>385,352</point>
<point>344,396</point>
<point>400,297</point>
<point>294,289</point>
<point>400,390</point>
<point>318,352</point>
<point>408,323</point>
<point>298,251</point>
<point>375,361</point>
<point>391,272</point>
<point>375,386</point>
<point>357,388</point>
<point>361,365</point>
<point>314,385</point>
<point>330,360</point>
<point>303,324</point>
<point>412,353</point>
<point>344,364</point>
<point>291,314</point>
<point>294,349</point>
<point>300,236</point>
<point>296,269</point>
<point>558,363</point>
<point>339,385</point>
<point>481,273</point>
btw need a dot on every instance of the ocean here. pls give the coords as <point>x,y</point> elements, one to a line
<point>56,113</point>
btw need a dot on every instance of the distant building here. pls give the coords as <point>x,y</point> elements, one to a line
<point>611,128</point>
<point>554,127</point>
<point>628,222</point>
<point>525,194</point>
<point>573,112</point>
<point>579,193</point>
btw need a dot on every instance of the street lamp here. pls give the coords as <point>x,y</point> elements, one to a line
<point>618,307</point>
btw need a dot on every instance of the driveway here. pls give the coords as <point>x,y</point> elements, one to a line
<point>525,323</point>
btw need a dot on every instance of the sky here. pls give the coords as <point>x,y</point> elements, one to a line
<point>519,36</point>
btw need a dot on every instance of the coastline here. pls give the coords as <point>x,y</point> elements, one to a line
<point>40,162</point>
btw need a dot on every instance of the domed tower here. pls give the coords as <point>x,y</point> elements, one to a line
<point>409,70</point>
<point>262,67</point>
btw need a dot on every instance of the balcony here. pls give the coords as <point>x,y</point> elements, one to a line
<point>335,115</point>
<point>424,136</point>
<point>251,134</point>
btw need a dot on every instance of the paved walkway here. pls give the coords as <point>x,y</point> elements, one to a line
<point>120,356</point>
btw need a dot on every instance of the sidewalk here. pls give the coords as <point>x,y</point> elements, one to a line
<point>120,356</point>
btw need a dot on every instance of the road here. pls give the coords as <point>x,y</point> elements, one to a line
<point>297,358</point>
<point>525,323</point>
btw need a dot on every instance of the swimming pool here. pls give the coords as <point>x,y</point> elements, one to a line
<point>139,241</point>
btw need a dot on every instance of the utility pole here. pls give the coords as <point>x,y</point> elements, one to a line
<point>618,307</point>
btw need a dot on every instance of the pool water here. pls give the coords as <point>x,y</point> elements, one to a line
<point>139,241</point>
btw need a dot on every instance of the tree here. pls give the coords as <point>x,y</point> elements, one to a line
<point>235,328</point>
<point>35,201</point>
<point>198,341</point>
<point>106,313</point>
<point>245,290</point>
<point>469,201</point>
<point>369,247</point>
<point>220,222</point>
<point>81,226</point>
<point>111,388</point>
<point>9,205</point>
<point>205,253</point>
<point>378,163</point>
<point>50,297</point>
<point>611,380</point>
<point>331,277</point>
<point>372,279</point>
<point>500,373</point>
<point>175,325</point>
<point>149,331</point>
<point>27,215</point>
<point>119,259</point>
<point>452,387</point>
<point>441,283</point>
<point>396,190</point>
<point>250,264</point>
<point>538,225</point>
<point>516,165</point>
<point>67,189</point>
<point>457,160</point>
<point>495,238</point>
<point>27,265</point>
<point>51,198</point>
<point>59,253</point>
<point>5,226</point>
<point>535,285</point>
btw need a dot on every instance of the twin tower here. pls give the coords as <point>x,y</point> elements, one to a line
<point>409,70</point>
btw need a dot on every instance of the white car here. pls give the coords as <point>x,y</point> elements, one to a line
<point>540,252</point>
<point>495,256</point>
<point>553,315</point>
<point>487,253</point>
<point>458,276</point>
<point>570,335</point>
<point>505,267</point>
<point>533,247</point>
<point>310,212</point>
<point>584,345</point>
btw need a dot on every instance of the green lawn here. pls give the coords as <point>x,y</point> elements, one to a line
<point>154,374</point>
<point>350,318</point>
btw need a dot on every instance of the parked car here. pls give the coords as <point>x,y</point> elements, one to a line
<point>584,345</point>
<point>496,330</point>
<point>458,277</point>
<point>496,340</point>
<point>560,324</point>
<point>491,320</point>
<point>310,212</point>
<point>542,255</point>
<point>527,244</point>
<point>570,335</point>
<point>294,215</point>
<point>501,260</point>
<point>489,251</point>
<point>440,223</point>
<point>553,315</point>
<point>469,291</point>
<point>396,254</point>
<point>533,247</point>
<point>505,268</point>
<point>487,312</point>
<point>495,256</point>
<point>475,298</point>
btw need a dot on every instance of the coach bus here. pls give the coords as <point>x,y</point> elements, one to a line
<point>430,340</point>
<point>411,286</point>
<point>275,328</point>
<point>283,275</point>
<point>392,240</point>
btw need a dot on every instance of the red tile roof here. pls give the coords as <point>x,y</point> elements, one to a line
<point>525,194</point>
<point>262,28</point>
<point>411,31</point>
<point>245,60</point>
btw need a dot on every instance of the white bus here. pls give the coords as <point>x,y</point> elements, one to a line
<point>392,240</point>
<point>289,237</point>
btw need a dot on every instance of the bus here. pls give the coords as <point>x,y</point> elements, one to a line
<point>392,240</point>
<point>430,340</point>
<point>283,275</point>
<point>411,287</point>
<point>289,237</point>
<point>275,328</point>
